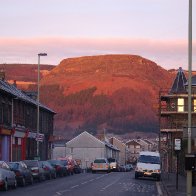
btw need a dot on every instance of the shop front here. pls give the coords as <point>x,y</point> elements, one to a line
<point>5,147</point>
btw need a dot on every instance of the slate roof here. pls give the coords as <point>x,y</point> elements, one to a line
<point>12,90</point>
<point>193,81</point>
<point>178,86</point>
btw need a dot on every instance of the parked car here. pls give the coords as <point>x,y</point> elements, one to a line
<point>69,163</point>
<point>122,168</point>
<point>148,165</point>
<point>50,171</point>
<point>7,177</point>
<point>77,169</point>
<point>129,167</point>
<point>61,170</point>
<point>36,169</point>
<point>100,164</point>
<point>113,164</point>
<point>23,174</point>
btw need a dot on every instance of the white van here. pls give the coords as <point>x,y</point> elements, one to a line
<point>148,165</point>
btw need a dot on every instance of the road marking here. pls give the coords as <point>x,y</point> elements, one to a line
<point>74,186</point>
<point>84,182</point>
<point>103,189</point>
<point>91,180</point>
<point>159,189</point>
<point>58,193</point>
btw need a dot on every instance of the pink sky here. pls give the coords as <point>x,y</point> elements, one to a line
<point>154,29</point>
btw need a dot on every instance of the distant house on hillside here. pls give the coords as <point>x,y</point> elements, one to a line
<point>87,148</point>
<point>134,148</point>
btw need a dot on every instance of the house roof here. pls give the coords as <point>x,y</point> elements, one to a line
<point>15,92</point>
<point>111,146</point>
<point>193,81</point>
<point>179,83</point>
<point>85,135</point>
<point>114,138</point>
<point>133,142</point>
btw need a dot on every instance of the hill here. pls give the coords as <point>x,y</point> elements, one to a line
<point>118,93</point>
<point>24,74</point>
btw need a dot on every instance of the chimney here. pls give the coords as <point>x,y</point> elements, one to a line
<point>2,74</point>
<point>15,83</point>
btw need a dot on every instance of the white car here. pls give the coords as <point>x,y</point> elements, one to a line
<point>148,165</point>
<point>100,164</point>
<point>113,164</point>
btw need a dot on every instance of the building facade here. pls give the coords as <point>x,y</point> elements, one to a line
<point>174,121</point>
<point>18,125</point>
<point>122,147</point>
<point>86,148</point>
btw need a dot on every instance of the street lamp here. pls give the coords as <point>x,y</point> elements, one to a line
<point>189,172</point>
<point>38,85</point>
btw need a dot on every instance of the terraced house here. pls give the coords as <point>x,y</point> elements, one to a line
<point>174,120</point>
<point>18,125</point>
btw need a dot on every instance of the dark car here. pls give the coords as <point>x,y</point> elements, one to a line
<point>50,171</point>
<point>23,174</point>
<point>122,168</point>
<point>77,168</point>
<point>36,169</point>
<point>7,177</point>
<point>61,170</point>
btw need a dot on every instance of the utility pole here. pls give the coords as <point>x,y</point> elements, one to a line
<point>189,172</point>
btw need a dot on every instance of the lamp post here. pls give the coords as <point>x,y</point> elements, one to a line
<point>38,85</point>
<point>189,172</point>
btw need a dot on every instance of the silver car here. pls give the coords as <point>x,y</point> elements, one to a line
<point>7,177</point>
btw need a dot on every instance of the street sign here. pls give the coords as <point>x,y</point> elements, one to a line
<point>177,144</point>
<point>39,137</point>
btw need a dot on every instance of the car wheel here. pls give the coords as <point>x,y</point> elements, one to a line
<point>23,181</point>
<point>158,178</point>
<point>54,176</point>
<point>15,184</point>
<point>50,176</point>
<point>31,180</point>
<point>5,187</point>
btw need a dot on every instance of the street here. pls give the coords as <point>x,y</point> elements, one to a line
<point>88,184</point>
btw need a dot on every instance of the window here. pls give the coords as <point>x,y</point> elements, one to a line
<point>194,105</point>
<point>180,105</point>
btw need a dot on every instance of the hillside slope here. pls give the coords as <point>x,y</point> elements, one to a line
<point>116,92</point>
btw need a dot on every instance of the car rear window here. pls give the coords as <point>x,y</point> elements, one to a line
<point>31,163</point>
<point>100,161</point>
<point>14,165</point>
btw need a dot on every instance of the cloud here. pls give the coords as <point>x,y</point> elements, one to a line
<point>167,53</point>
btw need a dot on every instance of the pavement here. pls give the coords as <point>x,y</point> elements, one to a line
<point>170,188</point>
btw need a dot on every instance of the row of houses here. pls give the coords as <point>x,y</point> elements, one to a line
<point>86,148</point>
<point>18,125</point>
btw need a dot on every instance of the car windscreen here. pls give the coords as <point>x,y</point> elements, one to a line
<point>99,161</point>
<point>64,162</point>
<point>149,159</point>
<point>14,165</point>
